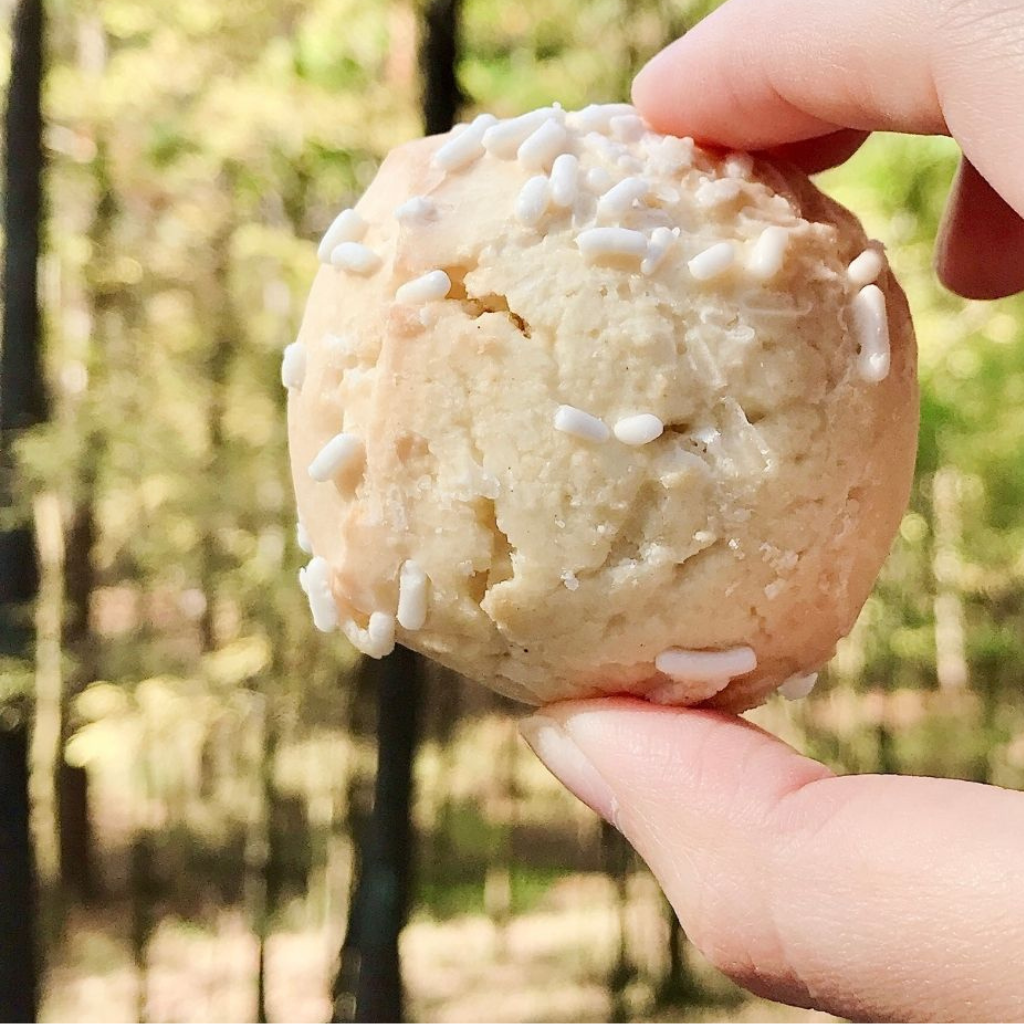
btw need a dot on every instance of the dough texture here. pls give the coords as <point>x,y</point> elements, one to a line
<point>596,411</point>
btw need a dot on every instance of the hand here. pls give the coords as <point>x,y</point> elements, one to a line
<point>872,897</point>
<point>810,79</point>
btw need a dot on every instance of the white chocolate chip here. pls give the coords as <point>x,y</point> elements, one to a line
<point>348,226</point>
<point>662,240</point>
<point>293,366</point>
<point>706,666</point>
<point>871,329</point>
<point>412,596</point>
<point>434,285</point>
<point>377,640</point>
<point>799,686</point>
<point>355,258</point>
<point>603,243</point>
<point>768,253</point>
<point>598,116</point>
<point>504,138</point>
<point>578,423</point>
<point>532,202</point>
<point>713,262</point>
<point>342,452</point>
<point>640,429</point>
<point>539,150</point>
<point>619,199</point>
<point>418,209</point>
<point>465,147</point>
<point>564,174</point>
<point>864,270</point>
<point>317,580</point>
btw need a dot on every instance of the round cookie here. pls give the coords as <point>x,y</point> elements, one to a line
<point>577,408</point>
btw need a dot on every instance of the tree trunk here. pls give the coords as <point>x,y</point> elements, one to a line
<point>439,61</point>
<point>616,855</point>
<point>368,986</point>
<point>22,404</point>
<point>369,982</point>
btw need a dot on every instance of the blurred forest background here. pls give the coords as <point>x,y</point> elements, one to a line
<point>202,763</point>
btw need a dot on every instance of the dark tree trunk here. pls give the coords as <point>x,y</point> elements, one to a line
<point>22,399</point>
<point>368,986</point>
<point>22,404</point>
<point>75,832</point>
<point>18,984</point>
<point>369,982</point>
<point>439,62</point>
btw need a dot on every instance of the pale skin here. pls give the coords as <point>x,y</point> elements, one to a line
<point>871,897</point>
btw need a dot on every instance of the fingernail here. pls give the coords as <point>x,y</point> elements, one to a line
<point>564,759</point>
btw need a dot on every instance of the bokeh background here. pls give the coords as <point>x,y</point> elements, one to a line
<point>202,763</point>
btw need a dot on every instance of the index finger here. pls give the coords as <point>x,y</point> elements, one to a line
<point>758,74</point>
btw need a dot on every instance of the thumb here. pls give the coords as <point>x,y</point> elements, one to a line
<point>871,897</point>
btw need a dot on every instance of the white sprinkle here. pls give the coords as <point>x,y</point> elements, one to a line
<point>303,582</point>
<point>662,239</point>
<point>799,686</point>
<point>627,127</point>
<point>504,138</point>
<point>570,581</point>
<point>538,152</point>
<point>578,423</point>
<point>619,199</point>
<point>302,537</point>
<point>348,226</point>
<point>321,597</point>
<point>601,243</point>
<point>417,209</point>
<point>871,329</point>
<point>768,253</point>
<point>640,429</point>
<point>706,666</point>
<point>713,262</point>
<point>533,199</point>
<point>739,165</point>
<point>598,116</point>
<point>293,365</point>
<point>462,149</point>
<point>429,288</point>
<point>341,452</point>
<point>865,268</point>
<point>564,173</point>
<point>427,316</point>
<point>377,640</point>
<point>355,258</point>
<point>598,180</point>
<point>412,596</point>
